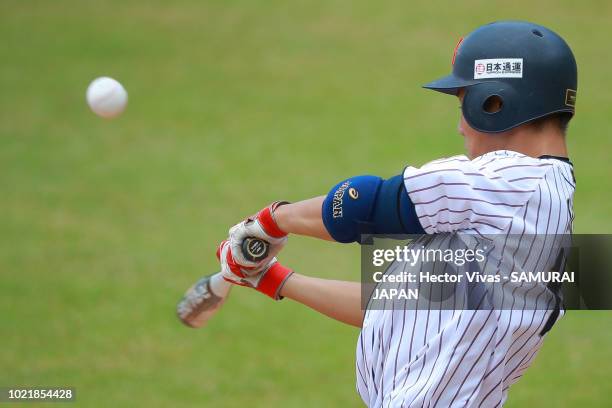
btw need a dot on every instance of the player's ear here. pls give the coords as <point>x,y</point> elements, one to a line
<point>460,93</point>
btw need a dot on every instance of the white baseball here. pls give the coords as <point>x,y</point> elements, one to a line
<point>106,97</point>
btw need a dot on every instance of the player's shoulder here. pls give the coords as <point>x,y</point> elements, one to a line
<point>457,161</point>
<point>498,167</point>
<point>501,160</point>
<point>491,162</point>
<point>439,167</point>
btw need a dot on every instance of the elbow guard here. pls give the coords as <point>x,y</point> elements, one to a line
<point>369,205</point>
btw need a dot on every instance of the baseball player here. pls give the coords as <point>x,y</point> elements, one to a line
<point>516,83</point>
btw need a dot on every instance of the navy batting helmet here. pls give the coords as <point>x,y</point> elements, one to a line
<point>528,68</point>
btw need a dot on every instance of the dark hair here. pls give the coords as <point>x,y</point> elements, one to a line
<point>561,119</point>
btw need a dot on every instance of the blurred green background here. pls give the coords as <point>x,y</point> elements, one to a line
<point>234,104</point>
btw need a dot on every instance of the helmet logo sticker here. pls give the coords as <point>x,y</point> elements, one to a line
<point>498,68</point>
<point>570,97</point>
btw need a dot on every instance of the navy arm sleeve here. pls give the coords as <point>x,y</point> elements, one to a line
<point>369,205</point>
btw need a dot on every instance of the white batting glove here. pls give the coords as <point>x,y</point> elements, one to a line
<point>268,280</point>
<point>263,226</point>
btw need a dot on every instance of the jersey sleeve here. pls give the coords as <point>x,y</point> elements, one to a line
<point>457,194</point>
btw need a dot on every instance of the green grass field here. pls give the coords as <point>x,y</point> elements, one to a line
<point>234,104</point>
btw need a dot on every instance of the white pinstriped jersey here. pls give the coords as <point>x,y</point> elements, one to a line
<point>427,357</point>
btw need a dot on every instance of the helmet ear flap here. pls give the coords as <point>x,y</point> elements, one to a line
<point>490,107</point>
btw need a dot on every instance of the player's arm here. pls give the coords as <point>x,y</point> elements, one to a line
<point>303,218</point>
<point>362,204</point>
<point>339,300</point>
<point>355,206</point>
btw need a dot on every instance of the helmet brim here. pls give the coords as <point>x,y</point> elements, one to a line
<point>450,84</point>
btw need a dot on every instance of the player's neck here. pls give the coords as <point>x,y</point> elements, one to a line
<point>535,142</point>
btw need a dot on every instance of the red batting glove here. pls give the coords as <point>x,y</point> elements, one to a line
<point>263,226</point>
<point>268,280</point>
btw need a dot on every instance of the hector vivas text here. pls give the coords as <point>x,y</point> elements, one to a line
<point>421,264</point>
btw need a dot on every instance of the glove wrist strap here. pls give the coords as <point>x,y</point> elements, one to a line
<point>273,280</point>
<point>267,221</point>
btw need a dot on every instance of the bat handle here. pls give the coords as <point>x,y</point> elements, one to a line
<point>207,295</point>
<point>219,286</point>
<point>255,249</point>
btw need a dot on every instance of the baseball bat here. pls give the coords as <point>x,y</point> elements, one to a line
<point>204,298</point>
